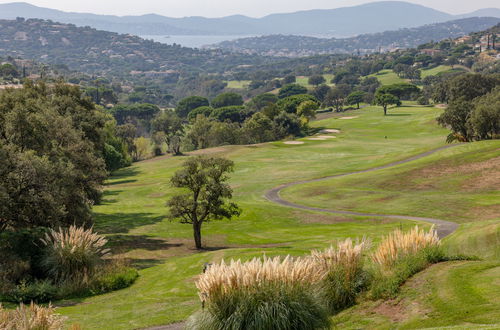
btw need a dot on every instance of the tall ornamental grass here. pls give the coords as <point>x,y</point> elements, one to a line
<point>32,317</point>
<point>344,275</point>
<point>399,244</point>
<point>73,254</point>
<point>268,293</point>
<point>401,255</point>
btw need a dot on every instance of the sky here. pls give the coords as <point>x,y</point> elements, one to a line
<point>219,8</point>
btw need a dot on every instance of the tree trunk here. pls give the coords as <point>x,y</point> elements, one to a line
<point>358,105</point>
<point>197,235</point>
<point>385,110</point>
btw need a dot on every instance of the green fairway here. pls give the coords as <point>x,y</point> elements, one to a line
<point>304,80</point>
<point>238,84</point>
<point>133,212</point>
<point>388,77</point>
<point>457,184</point>
<point>440,70</point>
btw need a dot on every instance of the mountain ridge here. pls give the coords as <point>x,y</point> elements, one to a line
<point>376,17</point>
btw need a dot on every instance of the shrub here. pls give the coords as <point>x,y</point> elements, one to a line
<point>345,277</point>
<point>73,253</point>
<point>261,294</point>
<point>30,318</point>
<point>38,292</point>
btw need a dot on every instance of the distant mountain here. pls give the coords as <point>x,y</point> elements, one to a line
<point>88,50</point>
<point>486,12</point>
<point>298,46</point>
<point>341,22</point>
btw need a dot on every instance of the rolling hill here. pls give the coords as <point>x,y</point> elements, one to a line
<point>340,22</point>
<point>294,46</point>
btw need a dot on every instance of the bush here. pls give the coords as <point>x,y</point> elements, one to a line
<point>73,253</point>
<point>261,294</point>
<point>30,318</point>
<point>38,292</point>
<point>345,277</point>
<point>114,278</point>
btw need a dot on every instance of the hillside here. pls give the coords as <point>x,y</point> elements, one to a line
<point>92,51</point>
<point>340,22</point>
<point>296,46</point>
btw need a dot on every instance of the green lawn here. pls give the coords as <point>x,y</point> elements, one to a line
<point>238,84</point>
<point>388,77</point>
<point>133,212</point>
<point>304,80</point>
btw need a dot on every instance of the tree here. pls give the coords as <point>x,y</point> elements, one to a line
<point>51,157</point>
<point>185,106</point>
<point>231,113</point>
<point>206,111</point>
<point>335,97</point>
<point>355,98</point>
<point>320,92</point>
<point>291,103</point>
<point>205,179</point>
<point>291,89</point>
<point>307,110</point>
<point>317,80</point>
<point>485,119</point>
<point>261,101</point>
<point>385,99</point>
<point>290,79</point>
<point>171,126</point>
<point>227,100</point>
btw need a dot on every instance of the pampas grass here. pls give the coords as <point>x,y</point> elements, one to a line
<point>400,244</point>
<point>32,317</point>
<point>73,253</point>
<point>344,275</point>
<point>268,293</point>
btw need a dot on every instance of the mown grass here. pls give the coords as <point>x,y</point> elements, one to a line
<point>461,294</point>
<point>304,80</point>
<point>458,184</point>
<point>238,84</point>
<point>388,77</point>
<point>133,213</point>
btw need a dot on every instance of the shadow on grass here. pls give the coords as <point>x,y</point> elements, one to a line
<point>114,183</point>
<point>125,243</point>
<point>105,200</point>
<point>117,223</point>
<point>398,114</point>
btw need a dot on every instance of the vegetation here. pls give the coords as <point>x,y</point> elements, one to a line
<point>205,179</point>
<point>31,317</point>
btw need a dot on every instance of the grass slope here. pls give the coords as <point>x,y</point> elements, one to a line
<point>388,77</point>
<point>133,212</point>
<point>458,184</point>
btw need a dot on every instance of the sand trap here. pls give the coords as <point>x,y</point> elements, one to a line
<point>317,139</point>
<point>293,142</point>
<point>349,117</point>
<point>327,136</point>
<point>330,130</point>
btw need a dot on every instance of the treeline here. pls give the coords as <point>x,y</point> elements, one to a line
<point>473,111</point>
<point>56,150</point>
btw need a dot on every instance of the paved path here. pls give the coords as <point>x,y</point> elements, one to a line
<point>443,227</point>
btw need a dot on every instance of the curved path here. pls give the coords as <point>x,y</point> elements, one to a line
<point>443,227</point>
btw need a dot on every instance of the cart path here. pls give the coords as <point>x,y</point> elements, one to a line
<point>443,227</point>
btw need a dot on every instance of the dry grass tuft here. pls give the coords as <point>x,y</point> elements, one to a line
<point>31,317</point>
<point>236,275</point>
<point>399,244</point>
<point>73,253</point>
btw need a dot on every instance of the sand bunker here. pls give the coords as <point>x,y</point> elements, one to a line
<point>293,142</point>
<point>330,130</point>
<point>326,136</point>
<point>349,117</point>
<point>317,139</point>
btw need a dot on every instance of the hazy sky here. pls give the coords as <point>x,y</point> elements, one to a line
<point>217,8</point>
